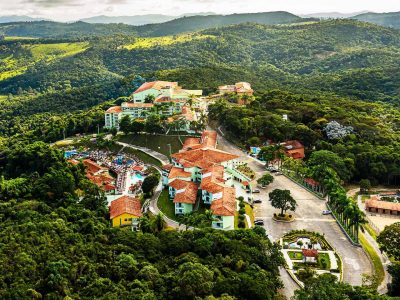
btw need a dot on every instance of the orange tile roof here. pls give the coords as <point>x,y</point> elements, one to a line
<point>375,203</point>
<point>209,138</point>
<point>178,172</point>
<point>310,252</point>
<point>178,184</point>
<point>137,168</point>
<point>213,183</point>
<point>114,109</point>
<point>187,113</point>
<point>189,195</point>
<point>203,158</point>
<point>109,187</point>
<point>73,161</point>
<point>138,105</point>
<point>190,141</point>
<point>293,144</point>
<point>125,205</point>
<point>92,167</point>
<point>158,85</point>
<point>226,206</point>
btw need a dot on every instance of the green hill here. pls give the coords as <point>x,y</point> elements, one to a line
<point>297,55</point>
<point>195,23</point>
<point>391,19</point>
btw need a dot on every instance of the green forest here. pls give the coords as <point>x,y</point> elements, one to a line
<point>57,80</point>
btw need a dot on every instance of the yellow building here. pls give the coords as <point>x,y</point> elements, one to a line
<point>123,210</point>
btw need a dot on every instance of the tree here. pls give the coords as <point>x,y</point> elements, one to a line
<point>136,126</point>
<point>323,159</point>
<point>389,240</point>
<point>327,287</point>
<point>125,124</point>
<point>394,286</point>
<point>266,179</point>
<point>149,99</point>
<point>149,183</point>
<point>365,185</point>
<point>194,280</point>
<point>283,200</point>
<point>153,123</point>
<point>158,223</point>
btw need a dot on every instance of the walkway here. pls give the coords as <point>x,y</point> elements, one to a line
<point>382,289</point>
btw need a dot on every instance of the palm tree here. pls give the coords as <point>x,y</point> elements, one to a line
<point>158,223</point>
<point>145,224</point>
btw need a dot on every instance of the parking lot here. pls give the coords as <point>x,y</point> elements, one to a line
<point>308,216</point>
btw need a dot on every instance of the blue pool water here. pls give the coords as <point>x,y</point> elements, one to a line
<point>136,177</point>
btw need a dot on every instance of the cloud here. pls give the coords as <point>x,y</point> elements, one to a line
<point>53,3</point>
<point>116,2</point>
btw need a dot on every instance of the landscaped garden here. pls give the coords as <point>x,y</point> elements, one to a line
<point>246,170</point>
<point>308,254</point>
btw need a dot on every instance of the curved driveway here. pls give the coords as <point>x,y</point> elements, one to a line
<point>309,217</point>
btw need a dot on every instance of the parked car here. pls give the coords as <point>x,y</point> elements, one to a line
<point>278,173</point>
<point>261,186</point>
<point>326,212</point>
<point>272,169</point>
<point>259,222</point>
<point>257,201</point>
<point>256,191</point>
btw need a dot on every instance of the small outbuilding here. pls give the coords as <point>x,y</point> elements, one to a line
<point>310,255</point>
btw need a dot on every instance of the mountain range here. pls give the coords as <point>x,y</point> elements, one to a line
<point>198,21</point>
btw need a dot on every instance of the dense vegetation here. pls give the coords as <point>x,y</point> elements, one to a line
<point>391,19</point>
<point>53,246</point>
<point>370,150</point>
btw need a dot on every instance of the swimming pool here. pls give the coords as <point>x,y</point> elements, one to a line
<point>136,177</point>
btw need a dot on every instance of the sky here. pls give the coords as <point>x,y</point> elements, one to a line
<point>69,10</point>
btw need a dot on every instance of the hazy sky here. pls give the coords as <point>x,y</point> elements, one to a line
<point>75,9</point>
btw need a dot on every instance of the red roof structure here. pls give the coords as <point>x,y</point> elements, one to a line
<point>92,167</point>
<point>226,206</point>
<point>125,205</point>
<point>310,252</point>
<point>114,109</point>
<point>373,202</point>
<point>158,85</point>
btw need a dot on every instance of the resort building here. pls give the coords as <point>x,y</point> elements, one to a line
<point>125,211</point>
<point>239,88</point>
<point>162,97</point>
<point>294,149</point>
<point>198,174</point>
<point>99,175</point>
<point>376,205</point>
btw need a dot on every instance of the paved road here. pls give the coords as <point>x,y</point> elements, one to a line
<point>308,216</point>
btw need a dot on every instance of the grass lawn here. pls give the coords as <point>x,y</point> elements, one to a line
<point>249,212</point>
<point>166,205</point>
<point>324,256</point>
<point>295,255</point>
<point>370,230</point>
<point>376,262</point>
<point>157,143</point>
<point>143,156</point>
